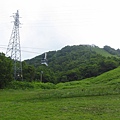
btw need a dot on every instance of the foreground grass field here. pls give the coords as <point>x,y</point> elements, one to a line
<point>90,99</point>
<point>57,105</point>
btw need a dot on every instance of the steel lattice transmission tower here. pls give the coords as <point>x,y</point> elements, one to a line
<point>14,49</point>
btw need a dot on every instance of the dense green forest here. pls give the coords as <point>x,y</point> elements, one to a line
<point>6,72</point>
<point>74,63</point>
<point>71,63</point>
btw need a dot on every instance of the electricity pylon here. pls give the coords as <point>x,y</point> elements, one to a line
<point>14,50</point>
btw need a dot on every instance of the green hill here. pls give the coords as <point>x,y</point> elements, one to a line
<point>73,63</point>
<point>110,78</point>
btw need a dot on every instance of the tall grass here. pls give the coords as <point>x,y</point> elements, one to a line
<point>30,85</point>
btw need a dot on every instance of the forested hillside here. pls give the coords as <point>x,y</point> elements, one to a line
<point>71,63</point>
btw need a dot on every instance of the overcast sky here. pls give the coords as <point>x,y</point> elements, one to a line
<point>52,24</point>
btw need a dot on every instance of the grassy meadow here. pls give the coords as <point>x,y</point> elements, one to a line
<point>95,98</point>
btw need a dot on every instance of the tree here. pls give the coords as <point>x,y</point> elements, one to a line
<point>28,72</point>
<point>108,64</point>
<point>6,71</point>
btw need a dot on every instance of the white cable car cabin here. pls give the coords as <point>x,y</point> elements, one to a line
<point>44,60</point>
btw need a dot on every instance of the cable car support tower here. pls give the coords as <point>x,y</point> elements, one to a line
<point>14,49</point>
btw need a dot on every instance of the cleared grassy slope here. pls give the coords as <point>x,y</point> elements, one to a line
<point>106,80</point>
<point>101,51</point>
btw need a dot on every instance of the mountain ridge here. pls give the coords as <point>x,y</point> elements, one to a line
<point>75,63</point>
<point>105,51</point>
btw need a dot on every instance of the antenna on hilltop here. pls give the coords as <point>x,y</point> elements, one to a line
<point>14,50</point>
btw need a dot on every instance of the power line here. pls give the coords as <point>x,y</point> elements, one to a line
<point>26,47</point>
<point>23,50</point>
<point>30,51</point>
